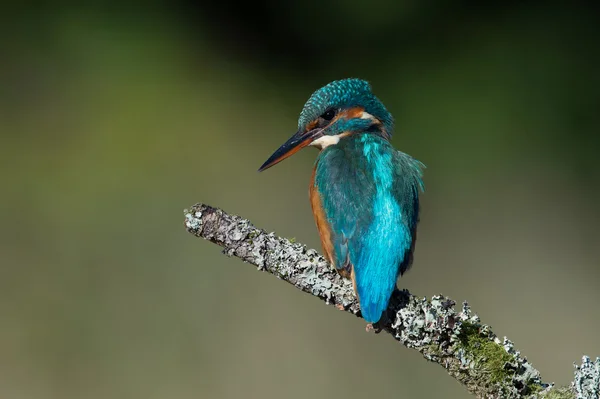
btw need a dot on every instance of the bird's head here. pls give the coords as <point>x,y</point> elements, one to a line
<point>337,110</point>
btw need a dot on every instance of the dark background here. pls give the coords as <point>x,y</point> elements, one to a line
<point>115,117</point>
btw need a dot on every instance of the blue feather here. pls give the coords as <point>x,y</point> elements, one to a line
<point>383,245</point>
<point>345,93</point>
<point>369,193</point>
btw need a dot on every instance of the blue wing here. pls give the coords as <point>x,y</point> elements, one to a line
<point>369,195</point>
<point>407,184</point>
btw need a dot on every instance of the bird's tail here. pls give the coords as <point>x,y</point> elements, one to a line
<point>374,289</point>
<point>372,308</point>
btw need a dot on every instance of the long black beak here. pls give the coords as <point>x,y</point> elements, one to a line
<point>294,144</point>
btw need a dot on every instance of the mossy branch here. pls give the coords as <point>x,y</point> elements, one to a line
<point>455,339</point>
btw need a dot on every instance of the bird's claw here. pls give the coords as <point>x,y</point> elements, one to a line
<point>374,328</point>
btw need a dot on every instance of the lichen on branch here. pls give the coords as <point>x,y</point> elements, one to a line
<point>489,367</point>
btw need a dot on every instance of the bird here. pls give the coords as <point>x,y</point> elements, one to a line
<point>364,194</point>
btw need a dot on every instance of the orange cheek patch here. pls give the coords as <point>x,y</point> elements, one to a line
<point>352,113</point>
<point>312,125</point>
<point>357,112</point>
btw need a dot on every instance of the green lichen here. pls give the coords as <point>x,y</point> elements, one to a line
<point>559,393</point>
<point>486,354</point>
<point>251,236</point>
<point>432,351</point>
<point>292,240</point>
<point>499,365</point>
<point>533,388</point>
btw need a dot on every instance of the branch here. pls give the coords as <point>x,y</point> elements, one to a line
<point>455,339</point>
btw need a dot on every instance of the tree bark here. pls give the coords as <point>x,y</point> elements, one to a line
<point>489,367</point>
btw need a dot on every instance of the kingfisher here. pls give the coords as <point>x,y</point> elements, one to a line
<point>364,193</point>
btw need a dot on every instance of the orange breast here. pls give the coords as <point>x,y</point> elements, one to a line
<point>321,220</point>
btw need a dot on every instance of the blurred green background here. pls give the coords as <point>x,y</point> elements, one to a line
<point>114,118</point>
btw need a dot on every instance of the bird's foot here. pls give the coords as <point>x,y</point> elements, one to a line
<point>373,327</point>
<point>339,306</point>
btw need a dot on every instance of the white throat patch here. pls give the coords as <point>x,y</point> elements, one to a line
<point>325,141</point>
<point>366,115</point>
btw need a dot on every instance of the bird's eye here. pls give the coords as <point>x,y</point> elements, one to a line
<point>328,115</point>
